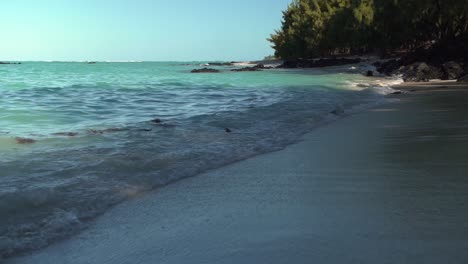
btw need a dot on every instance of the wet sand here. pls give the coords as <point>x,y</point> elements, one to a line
<point>388,185</point>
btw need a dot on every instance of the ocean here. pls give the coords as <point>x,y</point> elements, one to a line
<point>78,138</point>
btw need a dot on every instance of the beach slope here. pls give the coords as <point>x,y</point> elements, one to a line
<point>388,185</point>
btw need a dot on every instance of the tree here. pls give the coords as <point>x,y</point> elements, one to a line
<point>312,28</point>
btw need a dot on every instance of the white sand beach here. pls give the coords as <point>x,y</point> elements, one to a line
<point>388,185</point>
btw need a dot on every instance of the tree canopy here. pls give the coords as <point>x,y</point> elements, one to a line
<point>312,28</point>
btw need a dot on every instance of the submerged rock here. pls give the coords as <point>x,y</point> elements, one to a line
<point>227,130</point>
<point>160,123</point>
<point>205,70</point>
<point>20,140</point>
<point>115,129</point>
<point>168,125</point>
<point>95,132</point>
<point>66,134</point>
<point>338,111</point>
<point>107,130</point>
<point>370,73</point>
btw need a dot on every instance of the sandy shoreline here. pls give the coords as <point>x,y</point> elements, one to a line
<point>386,185</point>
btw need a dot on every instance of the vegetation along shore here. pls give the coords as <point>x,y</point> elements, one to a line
<point>421,40</point>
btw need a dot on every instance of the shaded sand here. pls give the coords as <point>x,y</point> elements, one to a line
<point>389,185</point>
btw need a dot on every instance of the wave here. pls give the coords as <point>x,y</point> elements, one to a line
<point>48,196</point>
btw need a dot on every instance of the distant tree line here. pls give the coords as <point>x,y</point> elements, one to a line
<point>312,28</point>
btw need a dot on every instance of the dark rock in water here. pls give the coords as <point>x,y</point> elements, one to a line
<point>114,129</point>
<point>338,111</point>
<point>463,79</point>
<point>246,69</point>
<point>145,129</point>
<point>335,112</point>
<point>107,130</point>
<point>95,132</point>
<point>3,62</point>
<point>220,63</point>
<point>397,92</point>
<point>452,70</point>
<point>262,66</point>
<point>20,140</point>
<point>302,63</point>
<point>257,67</point>
<point>205,70</point>
<point>227,130</point>
<point>66,134</point>
<point>91,62</point>
<point>370,73</point>
<point>159,122</point>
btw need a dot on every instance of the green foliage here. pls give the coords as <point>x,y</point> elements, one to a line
<point>313,28</point>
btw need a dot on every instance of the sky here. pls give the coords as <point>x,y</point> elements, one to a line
<point>139,30</point>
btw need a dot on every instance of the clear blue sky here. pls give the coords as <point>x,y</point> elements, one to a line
<point>151,30</point>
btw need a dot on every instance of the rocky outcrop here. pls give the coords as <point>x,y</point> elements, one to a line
<point>463,79</point>
<point>388,67</point>
<point>420,72</point>
<point>205,70</point>
<point>3,62</point>
<point>257,67</point>
<point>288,64</point>
<point>446,62</point>
<point>452,70</point>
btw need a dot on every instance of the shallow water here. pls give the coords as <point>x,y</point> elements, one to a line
<point>49,189</point>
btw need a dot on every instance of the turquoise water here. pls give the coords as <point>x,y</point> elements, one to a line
<point>52,187</point>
